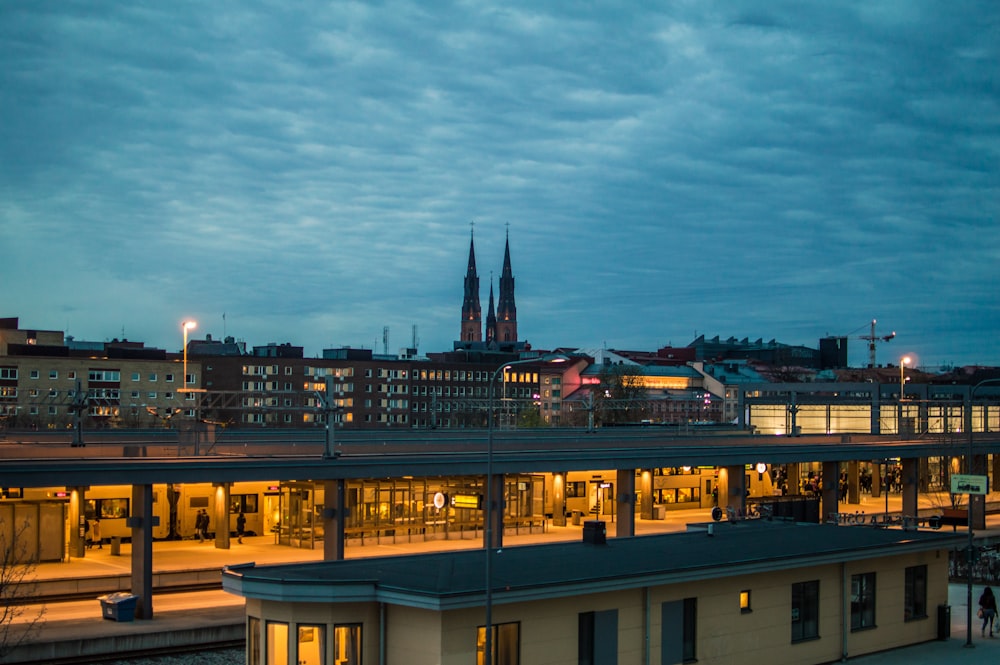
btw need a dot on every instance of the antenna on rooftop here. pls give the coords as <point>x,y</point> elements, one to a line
<point>385,340</point>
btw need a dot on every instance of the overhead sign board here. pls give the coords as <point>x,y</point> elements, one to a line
<point>963,483</point>
<point>474,501</point>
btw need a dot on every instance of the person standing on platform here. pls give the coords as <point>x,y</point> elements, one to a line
<point>199,525</point>
<point>987,610</point>
<point>95,534</point>
<point>204,525</point>
<point>241,525</point>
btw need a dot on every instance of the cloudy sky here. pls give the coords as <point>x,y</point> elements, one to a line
<point>782,170</point>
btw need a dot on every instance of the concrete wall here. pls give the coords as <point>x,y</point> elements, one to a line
<point>414,637</point>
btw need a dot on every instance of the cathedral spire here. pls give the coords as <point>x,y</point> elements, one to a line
<point>472,316</point>
<point>506,330</point>
<point>491,318</point>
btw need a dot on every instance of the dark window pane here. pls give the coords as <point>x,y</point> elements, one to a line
<point>805,610</point>
<point>915,601</point>
<point>862,601</point>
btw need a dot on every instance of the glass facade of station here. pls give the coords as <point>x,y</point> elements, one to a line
<point>392,510</point>
<point>905,418</point>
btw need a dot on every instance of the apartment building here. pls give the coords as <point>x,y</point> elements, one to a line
<point>47,381</point>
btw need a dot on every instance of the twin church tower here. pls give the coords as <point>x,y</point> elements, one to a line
<point>501,324</point>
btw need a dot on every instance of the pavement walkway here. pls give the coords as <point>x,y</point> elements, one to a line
<point>952,651</point>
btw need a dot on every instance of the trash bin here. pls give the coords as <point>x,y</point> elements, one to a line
<point>944,622</point>
<point>659,512</point>
<point>595,532</point>
<point>577,517</point>
<point>119,606</point>
<point>116,546</point>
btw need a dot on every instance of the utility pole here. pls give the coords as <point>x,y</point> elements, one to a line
<point>78,406</point>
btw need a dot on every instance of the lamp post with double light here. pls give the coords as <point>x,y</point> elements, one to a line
<point>903,362</point>
<point>186,326</point>
<point>901,409</point>
<point>489,510</point>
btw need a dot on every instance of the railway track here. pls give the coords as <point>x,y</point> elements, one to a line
<point>223,652</point>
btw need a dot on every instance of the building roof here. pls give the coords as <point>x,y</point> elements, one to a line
<point>731,372</point>
<point>684,371</point>
<point>454,580</point>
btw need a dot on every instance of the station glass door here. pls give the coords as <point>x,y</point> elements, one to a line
<point>300,508</point>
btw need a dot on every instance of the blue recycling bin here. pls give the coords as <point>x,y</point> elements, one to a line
<point>119,606</point>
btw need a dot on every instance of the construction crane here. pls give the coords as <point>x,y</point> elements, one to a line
<point>873,339</point>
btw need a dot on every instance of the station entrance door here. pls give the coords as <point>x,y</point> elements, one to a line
<point>300,505</point>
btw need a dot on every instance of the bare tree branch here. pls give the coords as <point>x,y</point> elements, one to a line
<point>19,622</point>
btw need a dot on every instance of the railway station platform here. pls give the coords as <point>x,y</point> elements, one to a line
<point>76,632</point>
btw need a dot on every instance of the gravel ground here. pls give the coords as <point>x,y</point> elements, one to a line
<point>222,657</point>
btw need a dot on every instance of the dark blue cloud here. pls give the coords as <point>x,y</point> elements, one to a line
<point>780,171</point>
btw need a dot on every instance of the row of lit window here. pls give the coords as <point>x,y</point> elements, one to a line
<point>273,647</point>
<point>102,376</point>
<point>93,393</point>
<point>264,370</point>
<point>11,373</point>
<point>424,374</point>
<point>344,417</point>
<point>317,387</point>
<point>398,388</point>
<point>336,372</point>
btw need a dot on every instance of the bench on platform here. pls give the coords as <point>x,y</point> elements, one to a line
<point>954,517</point>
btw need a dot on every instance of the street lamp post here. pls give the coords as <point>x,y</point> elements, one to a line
<point>903,362</point>
<point>488,509</point>
<point>885,488</point>
<point>186,326</point>
<point>971,545</point>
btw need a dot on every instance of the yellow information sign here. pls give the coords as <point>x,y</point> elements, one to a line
<point>466,501</point>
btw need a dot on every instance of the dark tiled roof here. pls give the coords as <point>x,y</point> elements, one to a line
<point>455,579</point>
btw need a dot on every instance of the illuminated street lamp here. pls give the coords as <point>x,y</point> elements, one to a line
<point>186,326</point>
<point>488,512</point>
<point>903,362</point>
